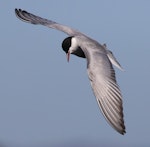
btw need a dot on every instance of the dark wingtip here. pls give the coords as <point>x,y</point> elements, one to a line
<point>17,12</point>
<point>123,132</point>
<point>20,14</point>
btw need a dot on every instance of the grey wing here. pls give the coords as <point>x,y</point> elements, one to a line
<point>33,19</point>
<point>106,90</point>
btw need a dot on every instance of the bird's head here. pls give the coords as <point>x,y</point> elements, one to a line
<point>70,46</point>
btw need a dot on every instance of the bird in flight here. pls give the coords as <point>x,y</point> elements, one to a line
<point>99,67</point>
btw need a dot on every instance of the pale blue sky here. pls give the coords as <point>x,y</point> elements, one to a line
<point>44,101</point>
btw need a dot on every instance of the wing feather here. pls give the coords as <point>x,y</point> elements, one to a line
<point>31,18</point>
<point>106,89</point>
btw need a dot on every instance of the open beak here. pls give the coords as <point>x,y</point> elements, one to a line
<point>68,56</point>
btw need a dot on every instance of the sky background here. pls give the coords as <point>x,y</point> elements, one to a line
<point>45,101</point>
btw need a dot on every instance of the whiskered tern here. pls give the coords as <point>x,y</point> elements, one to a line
<point>99,67</point>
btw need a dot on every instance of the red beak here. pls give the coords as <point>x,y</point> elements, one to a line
<point>68,56</point>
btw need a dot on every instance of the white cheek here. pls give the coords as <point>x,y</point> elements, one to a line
<point>74,45</point>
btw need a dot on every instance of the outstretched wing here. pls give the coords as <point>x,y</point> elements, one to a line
<point>30,18</point>
<point>106,90</point>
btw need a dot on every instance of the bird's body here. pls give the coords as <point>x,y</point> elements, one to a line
<point>99,67</point>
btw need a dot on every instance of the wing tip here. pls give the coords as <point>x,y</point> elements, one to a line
<point>123,132</point>
<point>117,123</point>
<point>121,128</point>
<point>18,13</point>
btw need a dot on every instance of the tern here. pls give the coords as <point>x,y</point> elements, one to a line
<point>99,67</point>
